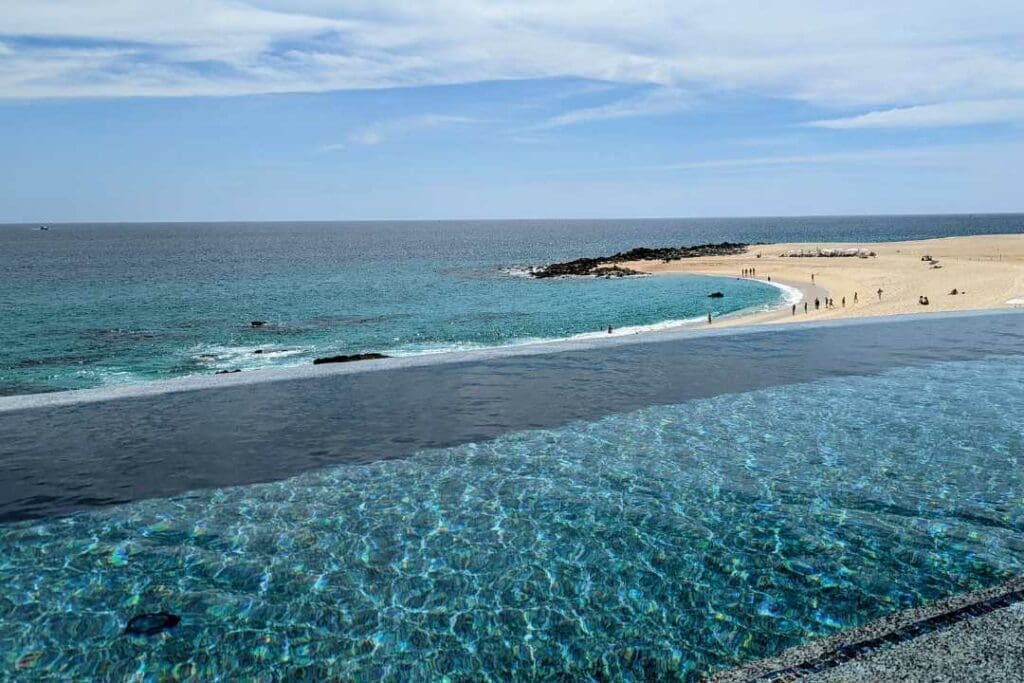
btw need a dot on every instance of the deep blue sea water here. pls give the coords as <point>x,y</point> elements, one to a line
<point>93,305</point>
<point>697,503</point>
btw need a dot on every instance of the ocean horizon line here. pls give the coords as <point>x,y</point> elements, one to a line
<point>492,219</point>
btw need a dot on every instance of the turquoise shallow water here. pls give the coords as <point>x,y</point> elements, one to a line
<point>657,543</point>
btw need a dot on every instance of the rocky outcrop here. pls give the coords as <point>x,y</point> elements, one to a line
<point>605,266</point>
<point>257,323</point>
<point>716,295</point>
<point>349,358</point>
<point>614,271</point>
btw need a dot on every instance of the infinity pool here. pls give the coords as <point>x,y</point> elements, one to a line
<point>641,536</point>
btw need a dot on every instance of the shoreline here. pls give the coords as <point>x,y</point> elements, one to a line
<point>986,271</point>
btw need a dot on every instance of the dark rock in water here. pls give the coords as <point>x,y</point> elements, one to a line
<point>258,351</point>
<point>227,372</point>
<point>257,323</point>
<point>151,623</point>
<point>716,295</point>
<point>614,271</point>
<point>603,265</point>
<point>348,359</point>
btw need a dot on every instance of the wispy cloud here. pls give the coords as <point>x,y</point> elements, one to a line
<point>933,115</point>
<point>911,155</point>
<point>654,103</point>
<point>396,129</point>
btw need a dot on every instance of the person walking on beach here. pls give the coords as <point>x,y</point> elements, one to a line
<point>805,307</point>
<point>709,318</point>
<point>812,278</point>
<point>844,302</point>
<point>879,293</point>
<point>609,329</point>
<point>817,304</point>
<point>855,297</point>
<point>794,309</point>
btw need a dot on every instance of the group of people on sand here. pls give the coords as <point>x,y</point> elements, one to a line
<point>752,272</point>
<point>830,302</point>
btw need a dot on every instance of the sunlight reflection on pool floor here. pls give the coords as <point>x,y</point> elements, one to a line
<point>666,541</point>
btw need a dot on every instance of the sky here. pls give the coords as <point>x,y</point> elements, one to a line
<point>122,110</point>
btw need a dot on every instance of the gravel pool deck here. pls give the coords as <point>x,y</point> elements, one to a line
<point>977,636</point>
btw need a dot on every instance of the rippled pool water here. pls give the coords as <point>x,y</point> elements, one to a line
<point>658,543</point>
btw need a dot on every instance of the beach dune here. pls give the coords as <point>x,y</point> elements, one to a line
<point>987,271</point>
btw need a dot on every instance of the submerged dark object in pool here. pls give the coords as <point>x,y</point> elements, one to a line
<point>716,295</point>
<point>151,623</point>
<point>348,359</point>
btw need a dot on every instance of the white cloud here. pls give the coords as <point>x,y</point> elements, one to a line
<point>911,155</point>
<point>837,54</point>
<point>661,101</point>
<point>397,128</point>
<point>933,115</point>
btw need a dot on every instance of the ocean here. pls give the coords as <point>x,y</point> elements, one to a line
<point>89,305</point>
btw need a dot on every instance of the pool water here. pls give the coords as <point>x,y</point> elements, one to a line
<point>658,543</point>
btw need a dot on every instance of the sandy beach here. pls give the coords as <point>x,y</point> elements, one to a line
<point>987,271</point>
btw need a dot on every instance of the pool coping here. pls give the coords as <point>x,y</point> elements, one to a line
<point>822,656</point>
<point>310,371</point>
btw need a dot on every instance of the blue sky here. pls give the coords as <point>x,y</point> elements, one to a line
<point>308,109</point>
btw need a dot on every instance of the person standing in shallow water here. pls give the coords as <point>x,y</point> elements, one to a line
<point>709,318</point>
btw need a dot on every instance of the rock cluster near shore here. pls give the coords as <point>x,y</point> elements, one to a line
<point>349,358</point>
<point>604,266</point>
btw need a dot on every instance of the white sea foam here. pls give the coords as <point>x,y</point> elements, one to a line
<point>519,271</point>
<point>791,295</point>
<point>112,377</point>
<point>231,357</point>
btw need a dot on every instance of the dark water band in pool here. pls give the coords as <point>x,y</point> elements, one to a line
<point>64,458</point>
